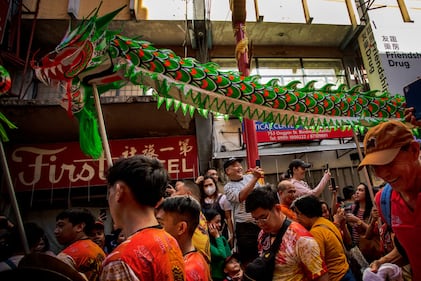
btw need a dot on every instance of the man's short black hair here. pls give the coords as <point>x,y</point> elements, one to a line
<point>185,208</point>
<point>264,197</point>
<point>145,176</point>
<point>308,205</point>
<point>210,168</point>
<point>193,188</point>
<point>78,215</point>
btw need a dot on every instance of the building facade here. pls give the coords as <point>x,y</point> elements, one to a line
<point>338,42</point>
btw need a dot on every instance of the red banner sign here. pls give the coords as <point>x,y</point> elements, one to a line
<point>63,165</point>
<point>278,133</point>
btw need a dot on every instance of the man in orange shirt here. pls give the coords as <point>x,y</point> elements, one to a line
<point>179,215</point>
<point>287,194</point>
<point>136,185</point>
<point>72,227</point>
<point>200,238</point>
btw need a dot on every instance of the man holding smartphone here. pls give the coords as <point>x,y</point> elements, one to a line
<point>237,190</point>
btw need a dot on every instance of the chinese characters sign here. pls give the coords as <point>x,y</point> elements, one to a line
<point>400,53</point>
<point>391,54</point>
<point>63,165</point>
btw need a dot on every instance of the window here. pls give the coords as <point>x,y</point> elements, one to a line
<point>286,70</point>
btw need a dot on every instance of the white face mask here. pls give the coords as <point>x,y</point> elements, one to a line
<point>209,190</point>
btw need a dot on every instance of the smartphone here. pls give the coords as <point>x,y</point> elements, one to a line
<point>333,183</point>
<point>348,208</point>
<point>413,97</point>
<point>327,167</point>
<point>257,162</point>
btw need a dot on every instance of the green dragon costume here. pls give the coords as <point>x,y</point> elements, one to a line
<point>90,54</point>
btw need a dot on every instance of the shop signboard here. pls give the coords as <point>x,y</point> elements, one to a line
<point>63,165</point>
<point>267,132</point>
<point>390,50</point>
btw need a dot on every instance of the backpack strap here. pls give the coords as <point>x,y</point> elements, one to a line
<point>277,243</point>
<point>385,204</point>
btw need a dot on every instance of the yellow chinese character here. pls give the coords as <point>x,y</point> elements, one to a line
<point>185,147</point>
<point>149,151</point>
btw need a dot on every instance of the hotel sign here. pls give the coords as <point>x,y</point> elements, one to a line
<point>63,165</point>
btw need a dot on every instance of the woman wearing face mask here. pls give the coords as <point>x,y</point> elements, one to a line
<point>211,199</point>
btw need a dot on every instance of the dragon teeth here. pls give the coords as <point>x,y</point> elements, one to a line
<point>53,70</point>
<point>60,68</point>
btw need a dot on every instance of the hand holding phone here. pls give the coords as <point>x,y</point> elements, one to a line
<point>333,184</point>
<point>413,97</point>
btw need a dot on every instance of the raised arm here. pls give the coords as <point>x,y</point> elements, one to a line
<point>246,190</point>
<point>322,184</point>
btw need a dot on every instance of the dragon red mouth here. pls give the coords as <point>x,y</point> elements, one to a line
<point>64,65</point>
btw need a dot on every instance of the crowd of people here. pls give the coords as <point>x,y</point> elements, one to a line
<point>243,229</point>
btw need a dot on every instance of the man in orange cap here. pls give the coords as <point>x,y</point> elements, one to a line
<point>393,153</point>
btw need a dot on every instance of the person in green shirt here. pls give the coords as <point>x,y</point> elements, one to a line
<point>219,246</point>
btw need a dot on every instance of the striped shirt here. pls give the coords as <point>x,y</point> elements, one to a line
<point>232,190</point>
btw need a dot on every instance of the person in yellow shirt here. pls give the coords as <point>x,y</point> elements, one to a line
<point>308,209</point>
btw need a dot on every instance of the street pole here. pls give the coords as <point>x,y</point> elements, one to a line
<point>13,200</point>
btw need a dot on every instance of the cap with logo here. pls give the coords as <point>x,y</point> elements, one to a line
<point>383,142</point>
<point>231,161</point>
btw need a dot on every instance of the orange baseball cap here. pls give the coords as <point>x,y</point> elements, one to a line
<point>383,142</point>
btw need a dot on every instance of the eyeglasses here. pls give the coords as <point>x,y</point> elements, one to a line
<point>262,220</point>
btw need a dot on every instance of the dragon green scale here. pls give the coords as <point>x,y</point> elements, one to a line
<point>322,101</point>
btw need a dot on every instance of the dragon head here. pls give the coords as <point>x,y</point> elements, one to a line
<point>81,55</point>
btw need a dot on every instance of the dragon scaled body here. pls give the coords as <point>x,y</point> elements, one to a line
<point>91,54</point>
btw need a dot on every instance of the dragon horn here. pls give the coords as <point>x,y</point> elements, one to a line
<point>106,19</point>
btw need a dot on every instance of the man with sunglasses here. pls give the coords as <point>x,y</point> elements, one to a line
<point>394,155</point>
